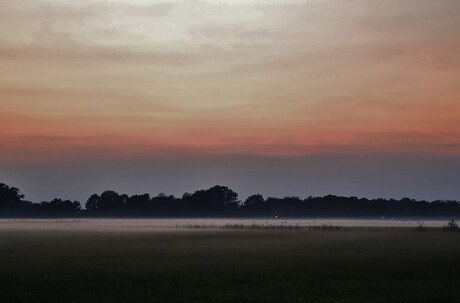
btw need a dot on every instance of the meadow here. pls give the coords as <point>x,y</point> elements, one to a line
<point>356,264</point>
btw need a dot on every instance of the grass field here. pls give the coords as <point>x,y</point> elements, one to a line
<point>354,265</point>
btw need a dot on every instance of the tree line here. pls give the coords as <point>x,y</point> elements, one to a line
<point>221,201</point>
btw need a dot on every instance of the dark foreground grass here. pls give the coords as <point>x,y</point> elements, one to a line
<point>392,265</point>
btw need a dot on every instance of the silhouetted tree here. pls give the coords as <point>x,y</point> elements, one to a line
<point>222,201</point>
<point>165,206</point>
<point>109,202</point>
<point>59,207</point>
<point>92,203</point>
<point>255,204</point>
<point>139,204</point>
<point>10,198</point>
<point>217,200</point>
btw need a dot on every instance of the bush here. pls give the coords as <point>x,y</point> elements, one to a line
<point>421,227</point>
<point>451,226</point>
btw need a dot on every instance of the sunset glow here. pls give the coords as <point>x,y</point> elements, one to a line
<point>132,80</point>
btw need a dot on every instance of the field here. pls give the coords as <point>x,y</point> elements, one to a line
<point>357,264</point>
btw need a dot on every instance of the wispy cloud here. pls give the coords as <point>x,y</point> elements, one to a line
<point>241,77</point>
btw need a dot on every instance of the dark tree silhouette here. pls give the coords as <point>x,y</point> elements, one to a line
<point>109,202</point>
<point>221,201</point>
<point>59,207</point>
<point>10,198</point>
<point>218,200</point>
<point>256,204</point>
<point>254,201</point>
<point>92,203</point>
<point>139,203</point>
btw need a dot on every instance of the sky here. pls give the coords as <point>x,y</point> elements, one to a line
<point>347,97</point>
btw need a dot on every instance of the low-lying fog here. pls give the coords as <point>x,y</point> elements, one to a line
<point>175,224</point>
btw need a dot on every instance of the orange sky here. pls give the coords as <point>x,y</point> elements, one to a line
<point>87,79</point>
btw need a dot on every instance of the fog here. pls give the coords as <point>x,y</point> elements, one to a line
<point>164,225</point>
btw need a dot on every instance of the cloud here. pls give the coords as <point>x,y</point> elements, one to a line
<point>148,11</point>
<point>264,78</point>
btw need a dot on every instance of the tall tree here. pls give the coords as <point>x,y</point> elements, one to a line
<point>10,198</point>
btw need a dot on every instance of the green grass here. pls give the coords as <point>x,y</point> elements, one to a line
<point>361,265</point>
